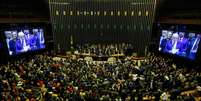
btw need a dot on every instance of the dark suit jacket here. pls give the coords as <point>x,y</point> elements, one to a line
<point>19,45</point>
<point>192,55</point>
<point>170,45</point>
<point>39,37</point>
<point>190,45</point>
<point>32,41</point>
<point>184,43</point>
<point>163,44</point>
<point>12,45</point>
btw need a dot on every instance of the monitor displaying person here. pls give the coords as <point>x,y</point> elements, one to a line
<point>23,40</point>
<point>173,45</point>
<point>179,43</point>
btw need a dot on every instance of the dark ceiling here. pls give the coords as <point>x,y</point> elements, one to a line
<point>179,8</point>
<point>39,8</point>
<point>26,8</point>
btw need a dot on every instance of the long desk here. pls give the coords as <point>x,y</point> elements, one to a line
<point>100,57</point>
<point>103,57</point>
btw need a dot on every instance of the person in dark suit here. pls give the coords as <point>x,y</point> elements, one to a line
<point>19,45</point>
<point>173,45</point>
<point>193,45</point>
<point>184,42</point>
<point>191,40</point>
<point>169,35</point>
<point>163,40</point>
<point>38,34</point>
<point>10,40</point>
<point>12,47</point>
<point>40,39</point>
<point>32,40</point>
<point>27,37</point>
<point>169,38</point>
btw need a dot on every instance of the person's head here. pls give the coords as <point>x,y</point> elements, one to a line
<point>175,37</point>
<point>40,30</point>
<point>169,35</point>
<point>164,33</point>
<point>14,34</point>
<point>198,36</point>
<point>35,31</point>
<point>20,35</point>
<point>26,32</point>
<point>181,34</point>
<point>191,35</point>
<point>8,34</point>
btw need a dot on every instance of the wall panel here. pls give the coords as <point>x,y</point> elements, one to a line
<point>100,21</point>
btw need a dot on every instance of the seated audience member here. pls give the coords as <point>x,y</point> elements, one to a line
<point>43,78</point>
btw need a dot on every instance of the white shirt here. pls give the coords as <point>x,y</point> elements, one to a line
<point>196,41</point>
<point>175,45</point>
<point>174,48</point>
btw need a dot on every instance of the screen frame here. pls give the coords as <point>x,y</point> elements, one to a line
<point>178,28</point>
<point>186,39</point>
<point>5,27</point>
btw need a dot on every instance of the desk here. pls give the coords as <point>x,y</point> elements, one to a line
<point>100,57</point>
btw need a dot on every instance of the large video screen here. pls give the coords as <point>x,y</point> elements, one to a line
<point>24,40</point>
<point>184,44</point>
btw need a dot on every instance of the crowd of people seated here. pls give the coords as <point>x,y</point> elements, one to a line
<point>104,49</point>
<point>41,78</point>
